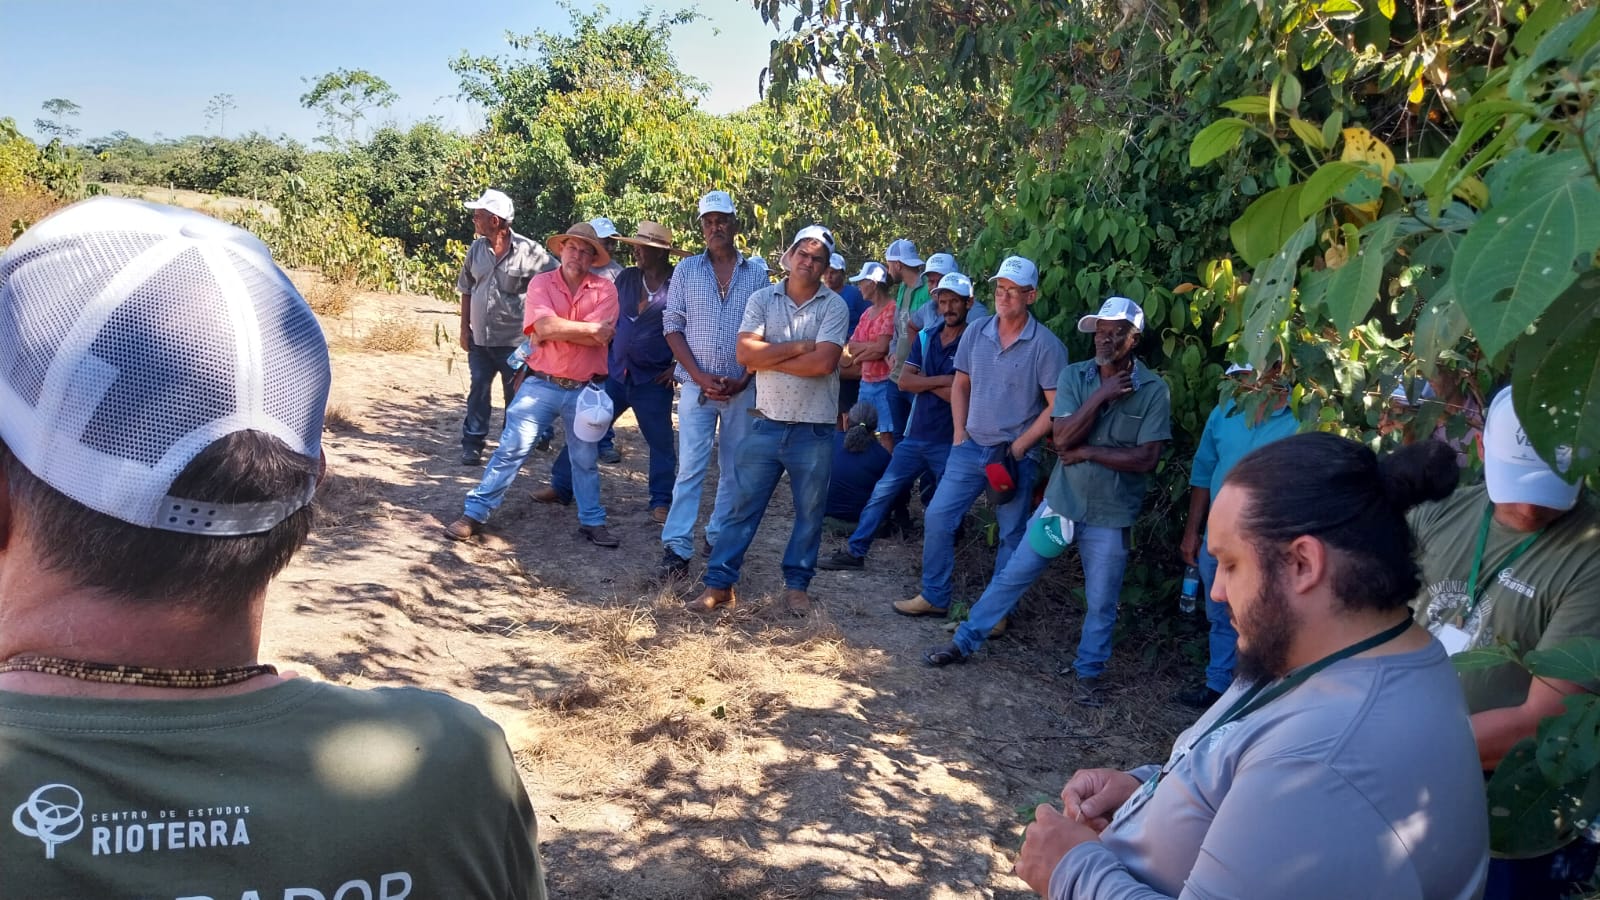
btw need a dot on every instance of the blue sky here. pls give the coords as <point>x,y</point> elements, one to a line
<point>150,67</point>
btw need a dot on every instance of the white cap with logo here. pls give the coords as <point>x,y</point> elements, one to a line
<point>132,337</point>
<point>955,282</point>
<point>903,251</point>
<point>808,233</point>
<point>593,415</point>
<point>942,264</point>
<point>716,202</point>
<point>1513,470</point>
<point>495,203</point>
<point>1019,271</point>
<point>1116,309</point>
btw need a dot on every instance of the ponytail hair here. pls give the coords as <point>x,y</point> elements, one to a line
<point>863,421</point>
<point>1343,494</point>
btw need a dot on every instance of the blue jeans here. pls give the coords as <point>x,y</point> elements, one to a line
<point>536,407</point>
<point>652,407</point>
<point>877,394</point>
<point>483,364</point>
<point>1219,668</point>
<point>900,405</point>
<point>724,423</point>
<point>912,457</point>
<point>963,480</point>
<point>1104,554</point>
<point>805,451</point>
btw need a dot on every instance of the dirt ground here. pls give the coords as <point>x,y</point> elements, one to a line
<point>671,755</point>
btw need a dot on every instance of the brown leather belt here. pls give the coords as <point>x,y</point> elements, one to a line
<point>567,383</point>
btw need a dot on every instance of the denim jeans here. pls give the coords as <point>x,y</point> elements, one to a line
<point>1104,553</point>
<point>912,457</point>
<point>900,405</point>
<point>536,407</point>
<point>963,480</point>
<point>652,407</point>
<point>724,423</point>
<point>1222,639</point>
<point>805,451</point>
<point>483,364</point>
<point>876,393</point>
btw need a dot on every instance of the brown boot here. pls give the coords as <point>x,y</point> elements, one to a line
<point>711,599</point>
<point>463,528</point>
<point>796,603</point>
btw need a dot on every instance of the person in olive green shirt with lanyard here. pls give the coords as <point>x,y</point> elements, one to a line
<point>1514,560</point>
<point>1113,416</point>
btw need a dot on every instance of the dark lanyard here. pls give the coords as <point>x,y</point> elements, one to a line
<point>1474,593</point>
<point>1260,694</point>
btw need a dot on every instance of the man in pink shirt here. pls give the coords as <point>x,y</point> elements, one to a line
<point>570,314</point>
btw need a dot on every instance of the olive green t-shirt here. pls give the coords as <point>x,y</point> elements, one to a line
<point>1549,594</point>
<point>300,791</point>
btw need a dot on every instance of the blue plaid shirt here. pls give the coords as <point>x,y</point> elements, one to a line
<point>708,321</point>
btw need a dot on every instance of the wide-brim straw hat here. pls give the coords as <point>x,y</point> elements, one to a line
<point>582,231</point>
<point>653,234</point>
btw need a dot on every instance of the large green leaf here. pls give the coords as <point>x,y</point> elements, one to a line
<point>1520,254</point>
<point>1557,380</point>
<point>1569,742</point>
<point>1483,658</point>
<point>1527,814</point>
<point>1574,660</point>
<point>1328,180</point>
<point>1439,326</point>
<point>1216,139</point>
<point>1266,224</point>
<point>1354,286</point>
<point>1267,298</point>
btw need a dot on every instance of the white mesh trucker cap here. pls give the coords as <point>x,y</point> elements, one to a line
<point>132,336</point>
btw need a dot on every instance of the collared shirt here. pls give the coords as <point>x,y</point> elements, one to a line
<point>1087,491</point>
<point>930,418</point>
<point>1007,385</point>
<point>907,303</point>
<point>770,315</point>
<point>708,320</point>
<point>639,352</point>
<point>594,302</point>
<point>1229,435</point>
<point>496,287</point>
<point>610,271</point>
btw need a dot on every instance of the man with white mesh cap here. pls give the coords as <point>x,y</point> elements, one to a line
<point>162,388</point>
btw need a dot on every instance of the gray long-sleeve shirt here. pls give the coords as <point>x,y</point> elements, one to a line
<point>1362,782</point>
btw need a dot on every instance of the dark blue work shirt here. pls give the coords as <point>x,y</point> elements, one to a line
<point>931,419</point>
<point>854,476</point>
<point>639,351</point>
<point>857,303</point>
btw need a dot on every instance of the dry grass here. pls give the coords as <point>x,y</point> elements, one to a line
<point>330,298</point>
<point>21,205</point>
<point>393,333</point>
<point>337,419</point>
<point>342,500</point>
<point>653,697</point>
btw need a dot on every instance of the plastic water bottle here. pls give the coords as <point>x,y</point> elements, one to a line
<point>1191,590</point>
<point>518,356</point>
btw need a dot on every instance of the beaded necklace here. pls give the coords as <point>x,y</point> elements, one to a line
<point>145,676</point>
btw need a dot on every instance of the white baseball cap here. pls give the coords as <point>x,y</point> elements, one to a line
<point>957,282</point>
<point>716,202</point>
<point>593,415</point>
<point>942,264</point>
<point>496,203</point>
<point>603,227</point>
<point>1236,368</point>
<point>810,232</point>
<point>836,261</point>
<point>1019,271</point>
<point>132,337</point>
<point>903,251</point>
<point>1512,469</point>
<point>871,271</point>
<point>1116,309</point>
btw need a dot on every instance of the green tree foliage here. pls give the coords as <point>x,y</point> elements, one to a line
<point>57,121</point>
<point>344,97</point>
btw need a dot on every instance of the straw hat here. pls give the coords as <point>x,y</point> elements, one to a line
<point>582,231</point>
<point>653,234</point>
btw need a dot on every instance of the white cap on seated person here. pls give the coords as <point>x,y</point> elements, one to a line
<point>1018,270</point>
<point>956,283</point>
<point>1116,309</point>
<point>1513,471</point>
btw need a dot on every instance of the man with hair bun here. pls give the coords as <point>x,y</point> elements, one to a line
<point>162,390</point>
<point>1339,763</point>
<point>1515,560</point>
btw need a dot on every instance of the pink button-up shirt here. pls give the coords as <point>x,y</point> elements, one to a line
<point>594,302</point>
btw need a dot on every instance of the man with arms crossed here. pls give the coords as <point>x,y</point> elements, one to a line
<point>792,335</point>
<point>162,388</point>
<point>493,279</point>
<point>1340,763</point>
<point>1007,367</point>
<point>705,306</point>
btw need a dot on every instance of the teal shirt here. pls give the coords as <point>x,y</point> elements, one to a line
<point>1228,437</point>
<point>1088,492</point>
